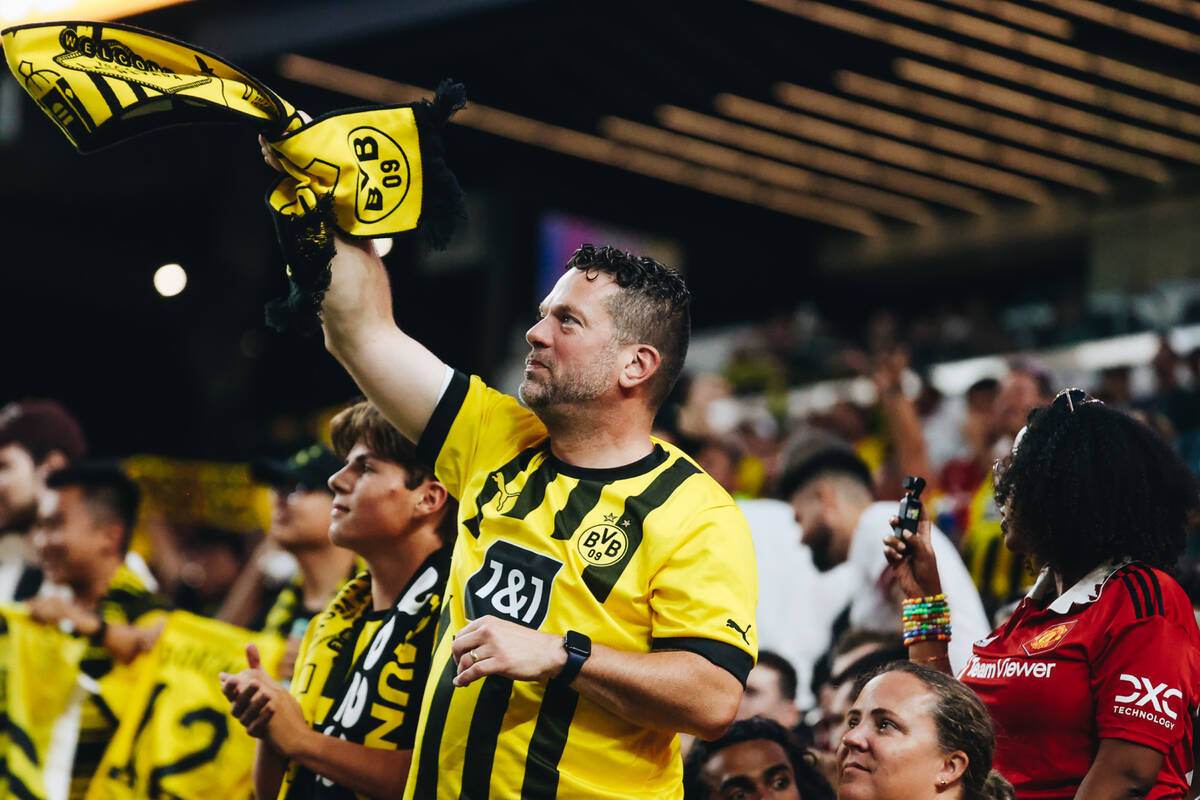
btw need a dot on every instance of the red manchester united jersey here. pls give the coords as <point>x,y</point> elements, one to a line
<point>1117,656</point>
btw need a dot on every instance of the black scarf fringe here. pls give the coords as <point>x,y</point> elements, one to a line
<point>443,207</point>
<point>307,240</point>
<point>308,248</point>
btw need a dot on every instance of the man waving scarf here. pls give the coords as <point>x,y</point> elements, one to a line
<point>368,172</point>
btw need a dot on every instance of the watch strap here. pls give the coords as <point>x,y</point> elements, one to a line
<point>578,647</point>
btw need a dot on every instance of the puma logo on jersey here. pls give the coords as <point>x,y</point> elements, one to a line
<point>731,624</point>
<point>504,498</point>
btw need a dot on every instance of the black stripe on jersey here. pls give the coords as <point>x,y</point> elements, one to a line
<point>533,492</point>
<point>429,446</point>
<point>18,736</point>
<point>87,752</point>
<point>1155,587</point>
<point>443,621</point>
<point>548,742</point>
<point>490,708</point>
<point>18,788</point>
<point>734,660</point>
<point>501,477</point>
<point>132,604</point>
<point>580,502</point>
<point>1137,575</point>
<point>431,741</point>
<point>1135,596</point>
<point>600,580</point>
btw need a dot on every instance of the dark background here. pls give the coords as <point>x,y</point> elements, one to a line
<point>200,374</point>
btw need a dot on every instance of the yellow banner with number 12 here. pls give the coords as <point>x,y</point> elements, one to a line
<point>177,740</point>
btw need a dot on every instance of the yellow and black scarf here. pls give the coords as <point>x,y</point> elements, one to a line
<point>368,172</point>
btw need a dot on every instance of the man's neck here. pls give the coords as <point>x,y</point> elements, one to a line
<point>393,566</point>
<point>595,439</point>
<point>324,570</point>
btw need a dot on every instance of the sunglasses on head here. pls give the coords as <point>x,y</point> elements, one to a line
<point>1072,399</point>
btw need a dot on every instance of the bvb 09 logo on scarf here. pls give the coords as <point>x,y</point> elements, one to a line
<point>383,173</point>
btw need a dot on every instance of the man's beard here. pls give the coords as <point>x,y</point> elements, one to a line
<point>553,389</point>
<point>820,545</point>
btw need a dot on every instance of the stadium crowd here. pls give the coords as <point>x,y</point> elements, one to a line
<point>1052,572</point>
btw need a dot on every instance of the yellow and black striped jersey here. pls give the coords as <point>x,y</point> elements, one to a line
<point>360,673</point>
<point>288,616</point>
<point>126,601</point>
<point>652,555</point>
<point>287,611</point>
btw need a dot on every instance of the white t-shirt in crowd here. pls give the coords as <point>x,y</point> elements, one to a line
<point>874,608</point>
<point>797,603</point>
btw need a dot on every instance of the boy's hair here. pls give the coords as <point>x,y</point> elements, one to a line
<point>366,423</point>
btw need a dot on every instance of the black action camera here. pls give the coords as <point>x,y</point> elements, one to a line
<point>910,507</point>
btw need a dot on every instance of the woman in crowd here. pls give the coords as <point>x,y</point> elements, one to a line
<point>917,734</point>
<point>1093,679</point>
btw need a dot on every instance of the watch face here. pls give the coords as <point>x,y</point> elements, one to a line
<point>578,643</point>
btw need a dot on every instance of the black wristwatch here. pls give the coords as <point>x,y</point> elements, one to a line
<point>578,648</point>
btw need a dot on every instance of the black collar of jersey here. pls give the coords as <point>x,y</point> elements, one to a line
<point>656,458</point>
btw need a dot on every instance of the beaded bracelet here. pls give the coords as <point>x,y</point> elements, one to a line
<point>926,619</point>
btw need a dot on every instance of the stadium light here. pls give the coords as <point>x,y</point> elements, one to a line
<point>901,126</point>
<point>587,146</point>
<point>170,280</point>
<point>1001,126</point>
<point>824,159</point>
<point>882,149</point>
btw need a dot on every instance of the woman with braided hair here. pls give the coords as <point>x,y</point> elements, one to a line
<point>1094,679</point>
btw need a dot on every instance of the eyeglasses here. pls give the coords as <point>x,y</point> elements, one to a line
<point>1072,399</point>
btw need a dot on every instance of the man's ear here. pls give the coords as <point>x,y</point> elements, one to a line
<point>113,533</point>
<point>53,462</point>
<point>641,362</point>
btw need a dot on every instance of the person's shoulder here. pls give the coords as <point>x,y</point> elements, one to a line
<point>1142,592</point>
<point>703,491</point>
<point>127,591</point>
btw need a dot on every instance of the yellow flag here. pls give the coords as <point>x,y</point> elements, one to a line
<point>177,740</point>
<point>39,666</point>
<point>101,83</point>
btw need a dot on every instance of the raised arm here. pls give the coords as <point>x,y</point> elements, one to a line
<point>396,373</point>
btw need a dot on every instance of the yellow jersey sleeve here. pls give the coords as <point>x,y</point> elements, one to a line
<point>474,428</point>
<point>704,597</point>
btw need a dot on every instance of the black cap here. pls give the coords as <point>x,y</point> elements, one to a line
<point>308,469</point>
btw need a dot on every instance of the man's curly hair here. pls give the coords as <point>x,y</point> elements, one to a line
<point>809,781</point>
<point>653,308</point>
<point>1093,485</point>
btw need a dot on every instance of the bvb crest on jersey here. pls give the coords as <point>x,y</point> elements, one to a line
<point>604,544</point>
